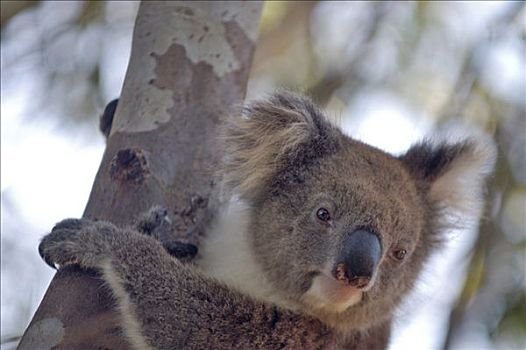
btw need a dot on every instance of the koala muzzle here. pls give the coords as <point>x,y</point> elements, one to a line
<point>358,258</point>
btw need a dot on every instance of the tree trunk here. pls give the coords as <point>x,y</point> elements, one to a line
<point>189,66</point>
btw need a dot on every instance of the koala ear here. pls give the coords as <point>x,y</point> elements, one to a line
<point>453,175</point>
<point>273,135</point>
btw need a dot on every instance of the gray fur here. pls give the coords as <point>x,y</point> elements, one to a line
<point>286,160</point>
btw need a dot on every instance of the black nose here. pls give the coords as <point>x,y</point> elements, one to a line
<point>358,258</point>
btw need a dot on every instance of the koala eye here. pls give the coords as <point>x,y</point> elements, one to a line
<point>400,254</point>
<point>323,214</point>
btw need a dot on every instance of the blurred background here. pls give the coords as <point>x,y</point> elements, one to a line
<point>388,72</point>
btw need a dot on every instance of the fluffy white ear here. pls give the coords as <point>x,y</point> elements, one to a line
<point>271,136</point>
<point>454,175</point>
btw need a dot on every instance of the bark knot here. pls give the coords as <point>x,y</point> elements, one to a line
<point>130,165</point>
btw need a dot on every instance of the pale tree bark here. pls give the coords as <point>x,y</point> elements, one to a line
<point>9,9</point>
<point>188,68</point>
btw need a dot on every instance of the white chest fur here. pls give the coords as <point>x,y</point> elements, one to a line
<point>226,253</point>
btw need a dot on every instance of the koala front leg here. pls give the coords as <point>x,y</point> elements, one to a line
<point>104,247</point>
<point>166,304</point>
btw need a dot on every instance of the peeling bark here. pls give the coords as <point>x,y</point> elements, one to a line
<point>188,67</point>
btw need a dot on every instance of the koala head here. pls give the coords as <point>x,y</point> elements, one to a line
<point>340,228</point>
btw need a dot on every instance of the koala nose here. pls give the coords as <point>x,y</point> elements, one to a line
<point>358,258</point>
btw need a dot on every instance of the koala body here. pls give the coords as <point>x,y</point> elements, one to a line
<point>323,238</point>
<point>329,226</point>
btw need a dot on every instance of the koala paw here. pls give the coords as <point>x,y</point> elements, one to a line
<point>77,241</point>
<point>157,224</point>
<point>153,221</point>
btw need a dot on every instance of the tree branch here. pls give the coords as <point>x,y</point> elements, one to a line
<point>189,65</point>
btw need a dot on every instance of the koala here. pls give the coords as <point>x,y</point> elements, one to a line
<point>322,238</point>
